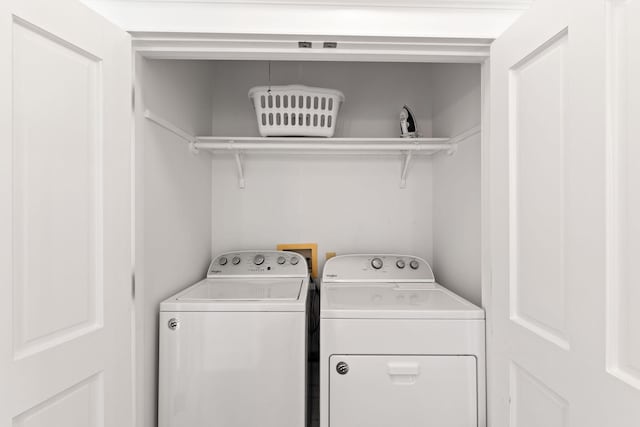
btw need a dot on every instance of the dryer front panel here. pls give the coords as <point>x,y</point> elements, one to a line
<point>399,390</point>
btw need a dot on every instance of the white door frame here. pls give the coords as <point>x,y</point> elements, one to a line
<point>186,46</point>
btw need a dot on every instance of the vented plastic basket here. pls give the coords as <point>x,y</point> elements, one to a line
<point>296,110</point>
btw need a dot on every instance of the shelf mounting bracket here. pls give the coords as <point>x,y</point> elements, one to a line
<point>240,166</point>
<point>405,169</point>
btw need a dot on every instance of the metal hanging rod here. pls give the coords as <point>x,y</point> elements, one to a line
<point>190,139</point>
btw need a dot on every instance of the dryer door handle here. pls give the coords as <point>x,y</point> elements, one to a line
<point>403,372</point>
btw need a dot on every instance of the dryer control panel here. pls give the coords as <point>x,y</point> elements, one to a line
<point>258,263</point>
<point>377,268</point>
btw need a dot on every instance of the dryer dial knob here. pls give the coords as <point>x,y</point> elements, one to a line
<point>294,260</point>
<point>376,263</point>
<point>223,261</point>
<point>414,264</point>
<point>400,263</point>
<point>281,260</point>
<point>235,260</point>
<point>258,259</point>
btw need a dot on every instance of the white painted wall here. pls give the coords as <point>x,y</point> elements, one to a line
<point>173,207</point>
<point>374,93</point>
<point>344,204</point>
<point>456,181</point>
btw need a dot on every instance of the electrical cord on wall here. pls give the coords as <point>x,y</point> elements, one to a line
<point>314,316</point>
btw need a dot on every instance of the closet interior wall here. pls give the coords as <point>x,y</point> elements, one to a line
<point>457,180</point>
<point>190,206</point>
<point>172,204</point>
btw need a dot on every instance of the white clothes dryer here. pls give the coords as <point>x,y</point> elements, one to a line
<point>396,348</point>
<point>233,346</point>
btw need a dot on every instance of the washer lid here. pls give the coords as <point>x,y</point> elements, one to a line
<point>394,301</point>
<point>243,290</point>
<point>241,295</point>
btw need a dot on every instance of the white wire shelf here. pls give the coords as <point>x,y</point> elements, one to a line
<point>303,144</point>
<point>238,146</point>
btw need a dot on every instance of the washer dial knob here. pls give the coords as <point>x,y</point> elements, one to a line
<point>294,260</point>
<point>376,263</point>
<point>414,264</point>
<point>235,260</point>
<point>223,260</point>
<point>281,260</point>
<point>400,263</point>
<point>258,259</point>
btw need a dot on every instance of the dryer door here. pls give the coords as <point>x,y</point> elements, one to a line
<point>408,391</point>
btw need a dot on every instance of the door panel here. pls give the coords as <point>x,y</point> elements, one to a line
<point>537,121</point>
<point>529,334</point>
<point>408,391</point>
<point>534,404</point>
<point>65,233</point>
<point>57,223</point>
<point>563,325</point>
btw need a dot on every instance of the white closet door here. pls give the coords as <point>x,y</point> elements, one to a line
<point>564,328</point>
<point>65,227</point>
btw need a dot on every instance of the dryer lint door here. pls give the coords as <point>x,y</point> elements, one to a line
<point>408,391</point>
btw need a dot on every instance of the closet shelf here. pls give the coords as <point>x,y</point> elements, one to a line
<point>238,146</point>
<point>337,145</point>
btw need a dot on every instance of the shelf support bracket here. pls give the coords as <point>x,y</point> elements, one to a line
<point>240,167</point>
<point>405,169</point>
<point>193,147</point>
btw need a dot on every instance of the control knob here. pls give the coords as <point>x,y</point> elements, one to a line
<point>223,260</point>
<point>235,260</point>
<point>281,260</point>
<point>294,260</point>
<point>400,263</point>
<point>258,259</point>
<point>414,264</point>
<point>376,263</point>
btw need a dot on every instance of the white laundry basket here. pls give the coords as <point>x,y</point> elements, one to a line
<point>296,110</point>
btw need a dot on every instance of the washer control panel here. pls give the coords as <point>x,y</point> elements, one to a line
<point>377,267</point>
<point>260,263</point>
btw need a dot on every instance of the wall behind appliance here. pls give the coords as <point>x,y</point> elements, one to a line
<point>173,205</point>
<point>345,204</point>
<point>456,181</point>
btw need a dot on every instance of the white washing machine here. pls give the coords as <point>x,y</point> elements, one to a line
<point>233,346</point>
<point>396,348</point>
